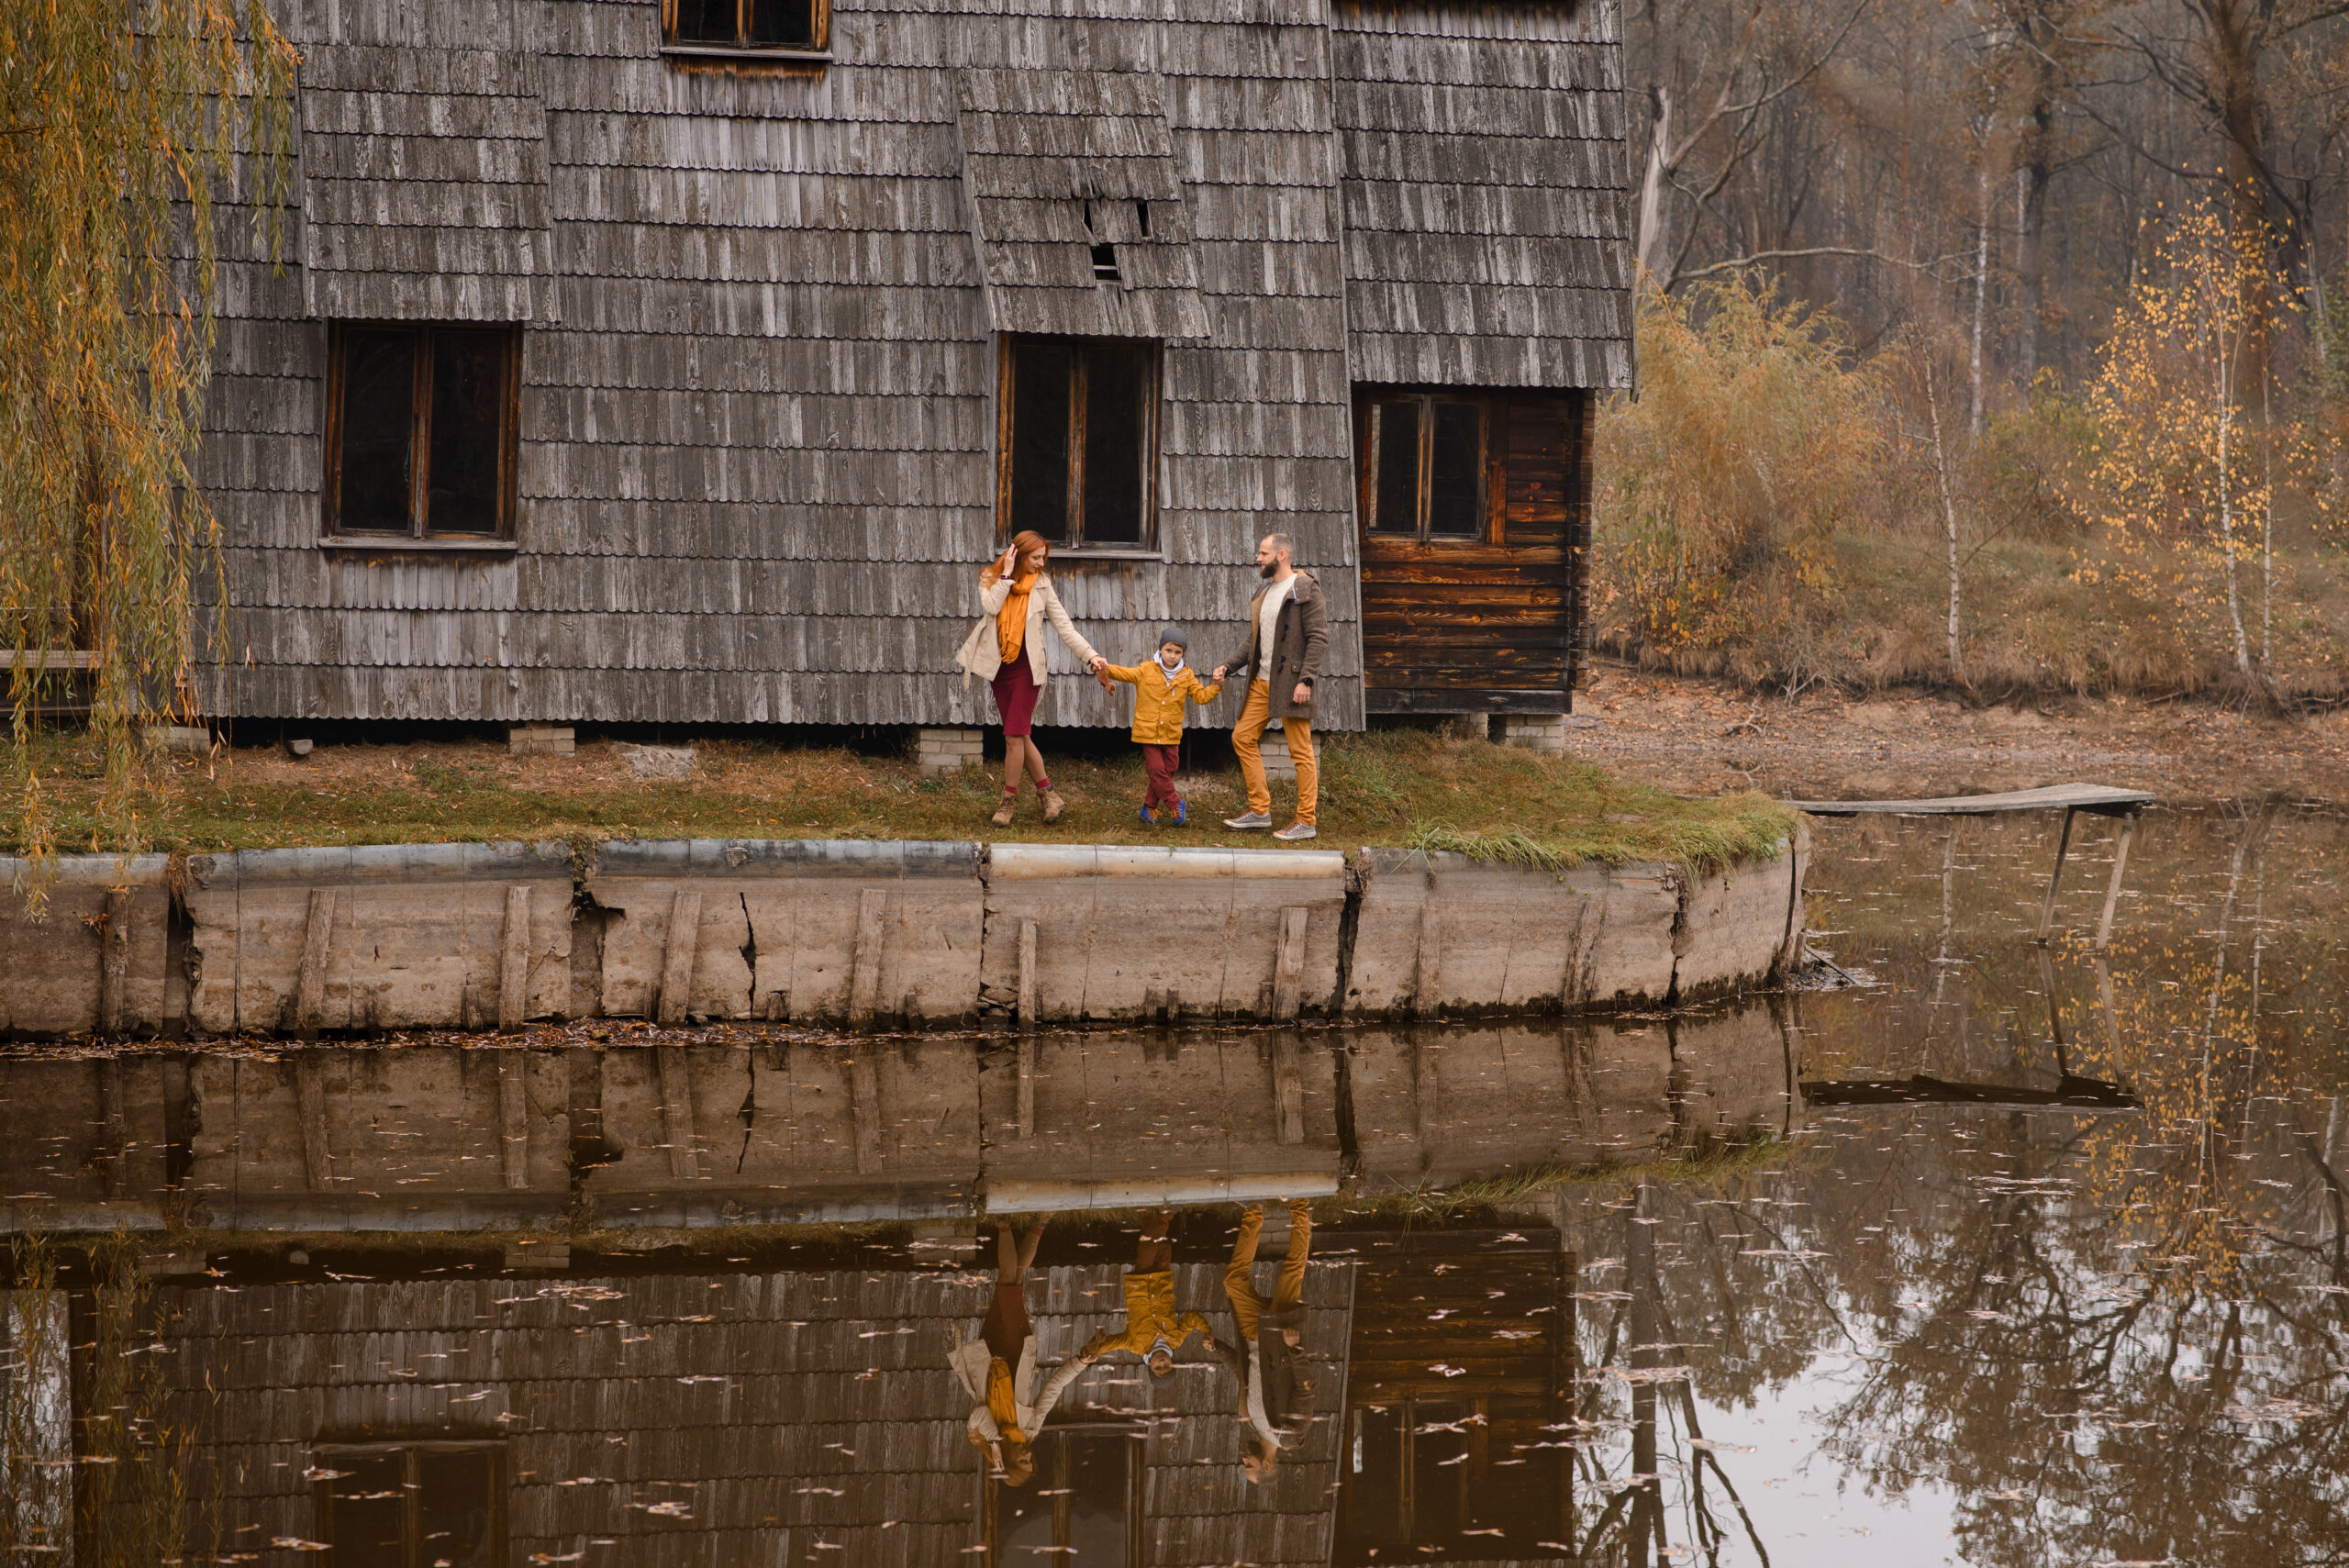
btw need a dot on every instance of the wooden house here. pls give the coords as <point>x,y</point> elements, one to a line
<point>699,1417</point>
<point>682,362</point>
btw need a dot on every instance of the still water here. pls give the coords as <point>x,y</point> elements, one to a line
<point>1964,1250</point>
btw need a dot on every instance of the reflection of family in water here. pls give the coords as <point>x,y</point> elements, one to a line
<point>1271,1393</point>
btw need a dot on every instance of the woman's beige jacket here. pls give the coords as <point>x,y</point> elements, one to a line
<point>981,653</point>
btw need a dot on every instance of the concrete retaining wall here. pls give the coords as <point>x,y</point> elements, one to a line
<point>294,942</point>
<point>391,936</point>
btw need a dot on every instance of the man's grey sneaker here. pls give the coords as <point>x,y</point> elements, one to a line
<point>1249,819</point>
<point>1295,832</point>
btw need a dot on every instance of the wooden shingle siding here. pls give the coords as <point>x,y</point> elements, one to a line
<point>757,412</point>
<point>1485,194</point>
<point>424,183</point>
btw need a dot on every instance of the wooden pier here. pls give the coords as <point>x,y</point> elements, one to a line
<point>2097,800</point>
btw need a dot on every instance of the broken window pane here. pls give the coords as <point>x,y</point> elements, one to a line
<point>376,431</point>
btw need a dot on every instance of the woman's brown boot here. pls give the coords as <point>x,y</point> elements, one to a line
<point>1053,806</point>
<point>1002,817</point>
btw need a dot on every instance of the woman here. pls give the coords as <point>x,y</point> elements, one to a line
<point>1006,650</point>
<point>1009,1408</point>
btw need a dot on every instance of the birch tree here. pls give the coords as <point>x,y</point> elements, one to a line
<point>2176,479</point>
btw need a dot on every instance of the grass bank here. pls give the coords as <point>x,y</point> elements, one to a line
<point>1390,787</point>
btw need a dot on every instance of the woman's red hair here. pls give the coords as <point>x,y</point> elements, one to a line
<point>1023,543</point>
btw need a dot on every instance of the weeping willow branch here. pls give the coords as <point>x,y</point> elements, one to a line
<point>131,125</point>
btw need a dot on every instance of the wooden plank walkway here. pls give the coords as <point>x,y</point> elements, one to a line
<point>2097,800</point>
<point>2103,800</point>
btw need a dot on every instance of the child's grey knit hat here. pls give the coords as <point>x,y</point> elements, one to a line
<point>1172,634</point>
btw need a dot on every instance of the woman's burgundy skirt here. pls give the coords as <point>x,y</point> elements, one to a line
<point>1016,691</point>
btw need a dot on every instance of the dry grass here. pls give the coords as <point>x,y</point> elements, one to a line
<point>1384,787</point>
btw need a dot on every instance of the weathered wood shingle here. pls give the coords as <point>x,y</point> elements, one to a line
<point>757,473</point>
<point>1487,211</point>
<point>424,183</point>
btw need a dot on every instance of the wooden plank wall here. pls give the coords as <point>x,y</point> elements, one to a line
<point>781,1410</point>
<point>757,404</point>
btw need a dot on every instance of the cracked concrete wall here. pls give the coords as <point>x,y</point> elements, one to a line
<point>300,941</point>
<point>414,935</point>
<point>779,923</point>
<point>52,970</point>
<point>1126,933</point>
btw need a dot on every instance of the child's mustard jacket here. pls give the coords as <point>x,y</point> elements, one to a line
<point>1158,708</point>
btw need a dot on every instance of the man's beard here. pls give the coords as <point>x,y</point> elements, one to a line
<point>1268,568</point>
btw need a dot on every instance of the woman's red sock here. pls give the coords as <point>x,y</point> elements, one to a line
<point>1044,786</point>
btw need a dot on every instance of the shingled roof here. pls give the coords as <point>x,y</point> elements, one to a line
<point>1487,214</point>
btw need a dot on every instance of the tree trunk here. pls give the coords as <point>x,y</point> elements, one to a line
<point>1949,518</point>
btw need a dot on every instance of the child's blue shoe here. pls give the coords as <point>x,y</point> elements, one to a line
<point>1145,817</point>
<point>1181,816</point>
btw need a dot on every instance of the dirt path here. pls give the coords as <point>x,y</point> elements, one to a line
<point>1702,736</point>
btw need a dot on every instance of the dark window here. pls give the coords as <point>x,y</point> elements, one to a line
<point>1080,441</point>
<point>1425,1479</point>
<point>421,430</point>
<point>412,1505</point>
<point>746,23</point>
<point>1082,1506</point>
<point>1428,467</point>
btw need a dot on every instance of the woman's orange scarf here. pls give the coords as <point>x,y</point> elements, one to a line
<point>1011,621</point>
<point>1000,1402</point>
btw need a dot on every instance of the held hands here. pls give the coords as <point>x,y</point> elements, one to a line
<point>1219,671</point>
<point>1097,664</point>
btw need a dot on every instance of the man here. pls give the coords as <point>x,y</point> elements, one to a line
<point>1287,629</point>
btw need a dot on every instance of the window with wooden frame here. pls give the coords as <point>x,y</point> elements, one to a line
<point>1083,1505</point>
<point>415,1505</point>
<point>420,431</point>
<point>1427,1479</point>
<point>745,26</point>
<point>1079,441</point>
<point>1427,459</point>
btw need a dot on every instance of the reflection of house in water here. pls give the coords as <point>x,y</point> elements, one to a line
<point>719,1409</point>
<point>1459,1388</point>
<point>713,1418</point>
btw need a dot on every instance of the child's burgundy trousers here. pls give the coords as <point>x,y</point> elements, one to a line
<point>1160,763</point>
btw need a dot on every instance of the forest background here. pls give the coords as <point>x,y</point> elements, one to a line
<point>2000,345</point>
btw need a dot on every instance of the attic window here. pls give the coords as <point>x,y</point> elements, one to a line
<point>748,26</point>
<point>1079,440</point>
<point>420,426</point>
<point>1105,263</point>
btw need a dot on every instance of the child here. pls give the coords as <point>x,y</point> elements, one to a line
<point>1152,1331</point>
<point>1161,687</point>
